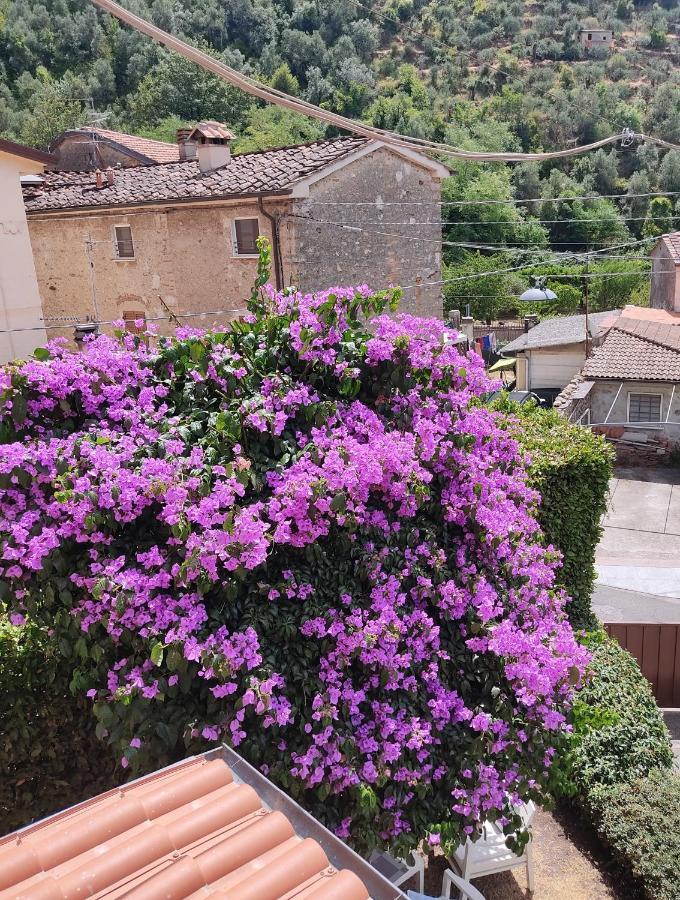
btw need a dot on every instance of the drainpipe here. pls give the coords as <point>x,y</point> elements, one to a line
<point>276,247</point>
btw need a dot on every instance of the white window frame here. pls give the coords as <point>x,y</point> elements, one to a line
<point>234,241</point>
<point>645,394</point>
<point>116,254</point>
<point>584,415</point>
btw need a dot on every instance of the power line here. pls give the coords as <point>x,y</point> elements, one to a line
<point>379,202</point>
<point>272,95</point>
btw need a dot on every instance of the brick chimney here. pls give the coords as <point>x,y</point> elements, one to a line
<point>213,142</point>
<point>187,147</point>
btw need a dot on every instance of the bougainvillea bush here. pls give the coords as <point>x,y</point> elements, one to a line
<point>304,536</point>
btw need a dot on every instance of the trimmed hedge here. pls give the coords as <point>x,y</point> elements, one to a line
<point>49,755</point>
<point>618,770</point>
<point>619,732</point>
<point>641,824</point>
<point>570,467</point>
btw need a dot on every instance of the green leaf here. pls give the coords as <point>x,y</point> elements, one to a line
<point>156,655</point>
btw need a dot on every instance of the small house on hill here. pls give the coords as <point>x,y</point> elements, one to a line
<point>180,237</point>
<point>596,37</point>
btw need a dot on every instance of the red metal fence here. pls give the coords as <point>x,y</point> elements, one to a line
<point>657,650</point>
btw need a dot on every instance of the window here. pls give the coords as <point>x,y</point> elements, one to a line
<point>246,232</point>
<point>590,37</point>
<point>583,419</point>
<point>134,315</point>
<point>644,407</point>
<point>125,248</point>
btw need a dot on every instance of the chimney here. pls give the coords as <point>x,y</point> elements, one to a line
<point>213,140</point>
<point>187,147</point>
<point>530,321</point>
<point>98,178</point>
<point>110,176</point>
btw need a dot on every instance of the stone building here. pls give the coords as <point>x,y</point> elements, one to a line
<point>596,37</point>
<point>180,237</point>
<point>87,149</point>
<point>21,325</point>
<point>665,287</point>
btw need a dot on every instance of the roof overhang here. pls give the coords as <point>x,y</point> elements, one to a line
<point>28,160</point>
<point>436,169</point>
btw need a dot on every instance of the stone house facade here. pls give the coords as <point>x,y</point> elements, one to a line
<point>665,282</point>
<point>178,238</point>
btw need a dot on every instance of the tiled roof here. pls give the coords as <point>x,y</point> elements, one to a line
<point>561,331</point>
<point>661,333</point>
<point>189,831</point>
<point>154,151</point>
<point>672,243</point>
<point>268,171</point>
<point>625,356</point>
<point>211,129</point>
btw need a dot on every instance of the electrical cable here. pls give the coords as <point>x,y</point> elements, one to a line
<point>280,98</point>
<point>379,202</point>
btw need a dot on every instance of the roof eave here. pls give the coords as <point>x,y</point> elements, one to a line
<point>169,201</point>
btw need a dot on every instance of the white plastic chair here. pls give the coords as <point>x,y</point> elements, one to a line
<point>489,854</point>
<point>398,870</point>
<point>450,880</point>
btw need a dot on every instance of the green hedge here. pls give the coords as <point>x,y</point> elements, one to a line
<point>641,825</point>
<point>617,772</point>
<point>570,467</point>
<point>49,756</point>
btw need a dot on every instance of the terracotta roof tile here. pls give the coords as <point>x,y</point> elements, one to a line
<point>188,831</point>
<point>247,173</point>
<point>672,244</point>
<point>626,356</point>
<point>211,129</point>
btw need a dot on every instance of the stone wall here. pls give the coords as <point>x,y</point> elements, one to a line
<point>665,283</point>
<point>183,261</point>
<point>80,153</point>
<point>324,255</point>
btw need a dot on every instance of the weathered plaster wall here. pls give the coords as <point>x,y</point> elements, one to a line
<point>324,255</point>
<point>665,283</point>
<point>20,306</point>
<point>184,260</point>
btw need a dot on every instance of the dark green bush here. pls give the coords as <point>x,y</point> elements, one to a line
<point>49,756</point>
<point>619,732</point>
<point>570,467</point>
<point>641,825</point>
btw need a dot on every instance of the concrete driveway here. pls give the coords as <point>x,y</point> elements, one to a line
<point>638,558</point>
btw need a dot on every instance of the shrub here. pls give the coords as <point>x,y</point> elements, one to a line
<point>620,734</point>
<point>305,537</point>
<point>570,467</point>
<point>49,756</point>
<point>641,825</point>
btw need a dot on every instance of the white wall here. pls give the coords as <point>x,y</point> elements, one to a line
<point>554,367</point>
<point>20,305</point>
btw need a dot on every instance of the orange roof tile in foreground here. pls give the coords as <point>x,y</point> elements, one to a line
<point>196,829</point>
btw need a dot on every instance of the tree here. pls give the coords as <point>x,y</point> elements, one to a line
<point>660,218</point>
<point>177,87</point>
<point>271,126</point>
<point>669,172</point>
<point>52,111</point>
<point>466,283</point>
<point>284,80</point>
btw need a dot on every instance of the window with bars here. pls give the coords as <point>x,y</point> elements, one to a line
<point>125,248</point>
<point>644,407</point>
<point>246,233</point>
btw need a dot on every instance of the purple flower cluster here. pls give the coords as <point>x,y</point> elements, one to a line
<point>169,497</point>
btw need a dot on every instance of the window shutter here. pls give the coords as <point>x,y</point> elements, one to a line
<point>247,233</point>
<point>125,248</point>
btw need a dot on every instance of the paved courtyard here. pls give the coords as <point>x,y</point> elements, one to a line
<point>638,559</point>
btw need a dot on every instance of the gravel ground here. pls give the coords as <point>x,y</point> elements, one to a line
<point>569,864</point>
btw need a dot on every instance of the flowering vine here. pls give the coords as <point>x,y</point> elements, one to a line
<point>304,535</point>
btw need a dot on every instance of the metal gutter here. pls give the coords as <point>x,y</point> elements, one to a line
<point>339,854</point>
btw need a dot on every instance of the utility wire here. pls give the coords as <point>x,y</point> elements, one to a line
<point>379,202</point>
<point>280,98</point>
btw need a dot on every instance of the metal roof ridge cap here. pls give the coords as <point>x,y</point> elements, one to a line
<point>305,825</point>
